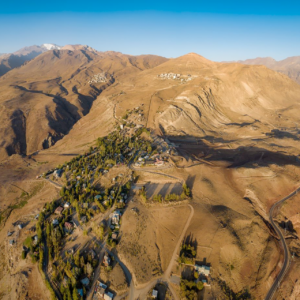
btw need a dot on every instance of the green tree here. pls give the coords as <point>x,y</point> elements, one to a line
<point>75,294</point>
<point>77,259</point>
<point>186,190</point>
<point>199,285</point>
<point>68,292</point>
<point>62,191</point>
<point>82,262</point>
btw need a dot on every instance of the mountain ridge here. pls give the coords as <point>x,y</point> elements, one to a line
<point>289,66</point>
<point>16,59</point>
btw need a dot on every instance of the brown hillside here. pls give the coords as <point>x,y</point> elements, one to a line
<point>233,130</point>
<point>289,66</point>
<point>212,99</point>
<point>43,99</point>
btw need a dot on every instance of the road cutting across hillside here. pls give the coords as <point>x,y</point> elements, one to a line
<point>287,261</point>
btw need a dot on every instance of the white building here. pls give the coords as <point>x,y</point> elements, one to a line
<point>205,270</point>
<point>108,296</point>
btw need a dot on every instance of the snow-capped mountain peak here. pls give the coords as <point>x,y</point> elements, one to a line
<point>50,46</point>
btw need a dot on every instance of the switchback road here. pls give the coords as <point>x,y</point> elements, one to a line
<point>287,261</point>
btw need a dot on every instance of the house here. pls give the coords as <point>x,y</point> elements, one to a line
<point>93,254</point>
<point>83,219</point>
<point>114,235</point>
<point>11,242</point>
<point>59,210</point>
<point>9,233</point>
<point>37,216</point>
<point>154,294</point>
<point>67,205</point>
<point>204,281</point>
<point>115,218</point>
<point>35,240</point>
<point>204,270</point>
<point>104,286</point>
<point>85,205</point>
<point>20,226</point>
<point>68,226</point>
<point>85,281</point>
<point>57,173</point>
<point>55,222</point>
<point>159,163</point>
<point>101,292</point>
<point>108,296</point>
<point>149,163</point>
<point>80,292</point>
<point>97,197</point>
<point>106,260</point>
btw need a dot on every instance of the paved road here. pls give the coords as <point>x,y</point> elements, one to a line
<point>287,261</point>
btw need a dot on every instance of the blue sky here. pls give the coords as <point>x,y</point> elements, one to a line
<point>219,30</point>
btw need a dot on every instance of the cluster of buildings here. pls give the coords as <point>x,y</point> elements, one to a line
<point>68,226</point>
<point>57,173</point>
<point>203,272</point>
<point>106,260</point>
<point>174,76</point>
<point>154,160</point>
<point>115,218</point>
<point>169,76</point>
<point>12,233</point>
<point>98,78</point>
<point>101,292</point>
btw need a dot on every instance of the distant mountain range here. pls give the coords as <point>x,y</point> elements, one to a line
<point>289,66</point>
<point>14,60</point>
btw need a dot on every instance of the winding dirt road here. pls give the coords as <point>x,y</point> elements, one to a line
<point>141,293</point>
<point>287,260</point>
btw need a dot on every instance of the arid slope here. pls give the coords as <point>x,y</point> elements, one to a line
<point>289,66</point>
<point>42,100</point>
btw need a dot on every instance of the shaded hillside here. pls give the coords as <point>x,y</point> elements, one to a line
<point>220,100</point>
<point>289,66</point>
<point>43,99</point>
<point>14,60</point>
